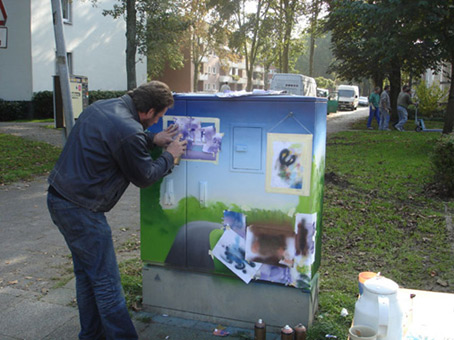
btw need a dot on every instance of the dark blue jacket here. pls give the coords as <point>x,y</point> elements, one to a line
<point>105,151</point>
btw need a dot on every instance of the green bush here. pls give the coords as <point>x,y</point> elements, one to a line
<point>325,83</point>
<point>98,94</point>
<point>429,99</point>
<point>443,164</point>
<point>12,110</point>
<point>43,104</point>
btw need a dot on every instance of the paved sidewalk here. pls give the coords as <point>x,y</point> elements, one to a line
<point>33,256</point>
<point>26,315</point>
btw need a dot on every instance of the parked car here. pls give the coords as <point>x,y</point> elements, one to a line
<point>363,101</point>
<point>348,97</point>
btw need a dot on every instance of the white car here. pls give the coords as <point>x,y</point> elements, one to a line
<point>363,101</point>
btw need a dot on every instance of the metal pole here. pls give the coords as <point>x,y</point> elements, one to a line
<point>62,66</point>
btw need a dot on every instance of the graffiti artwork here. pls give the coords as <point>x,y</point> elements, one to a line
<point>289,163</point>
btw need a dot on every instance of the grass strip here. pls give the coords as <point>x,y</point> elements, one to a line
<point>381,215</point>
<point>22,159</point>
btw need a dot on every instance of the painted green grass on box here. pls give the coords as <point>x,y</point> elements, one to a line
<point>163,224</point>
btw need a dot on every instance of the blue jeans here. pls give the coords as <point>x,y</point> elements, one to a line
<point>373,114</point>
<point>102,308</point>
<point>384,119</point>
<point>403,116</point>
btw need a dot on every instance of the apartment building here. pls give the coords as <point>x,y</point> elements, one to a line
<point>212,74</point>
<point>95,47</point>
<point>443,77</point>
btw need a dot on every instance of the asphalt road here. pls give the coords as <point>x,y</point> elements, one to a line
<point>342,120</point>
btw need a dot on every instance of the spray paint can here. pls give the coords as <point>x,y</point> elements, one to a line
<point>260,330</point>
<point>287,333</point>
<point>300,332</point>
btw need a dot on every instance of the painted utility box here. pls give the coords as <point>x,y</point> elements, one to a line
<point>234,232</point>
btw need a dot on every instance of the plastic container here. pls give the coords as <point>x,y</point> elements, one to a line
<point>362,333</point>
<point>363,277</point>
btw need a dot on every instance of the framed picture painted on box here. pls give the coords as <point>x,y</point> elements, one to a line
<point>289,163</point>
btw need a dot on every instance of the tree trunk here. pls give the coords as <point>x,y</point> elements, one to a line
<point>131,46</point>
<point>395,82</point>
<point>314,19</point>
<point>449,117</point>
<point>195,79</point>
<point>311,55</point>
<point>378,80</point>
<point>286,51</point>
<point>249,80</point>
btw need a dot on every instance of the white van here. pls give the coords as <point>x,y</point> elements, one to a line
<point>294,84</point>
<point>348,96</point>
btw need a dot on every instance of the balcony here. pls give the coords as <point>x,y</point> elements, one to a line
<point>240,65</point>
<point>203,76</point>
<point>224,79</point>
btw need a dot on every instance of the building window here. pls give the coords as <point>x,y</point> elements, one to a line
<point>69,60</point>
<point>233,71</point>
<point>66,10</point>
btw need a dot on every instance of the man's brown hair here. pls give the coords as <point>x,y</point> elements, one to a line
<point>153,95</point>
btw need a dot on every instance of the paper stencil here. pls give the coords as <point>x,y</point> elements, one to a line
<point>202,134</point>
<point>230,251</point>
<point>289,163</point>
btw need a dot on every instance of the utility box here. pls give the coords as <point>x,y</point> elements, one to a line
<point>233,234</point>
<point>291,83</point>
<point>78,86</point>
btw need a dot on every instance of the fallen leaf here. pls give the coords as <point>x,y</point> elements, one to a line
<point>442,283</point>
<point>13,282</point>
<point>44,290</point>
<point>433,273</point>
<point>29,277</point>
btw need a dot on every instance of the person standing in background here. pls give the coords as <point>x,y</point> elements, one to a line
<point>225,87</point>
<point>385,109</point>
<point>403,100</point>
<point>374,111</point>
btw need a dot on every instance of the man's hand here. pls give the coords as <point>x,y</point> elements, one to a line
<point>164,138</point>
<point>177,148</point>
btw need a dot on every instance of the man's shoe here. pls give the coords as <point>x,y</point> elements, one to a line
<point>370,128</point>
